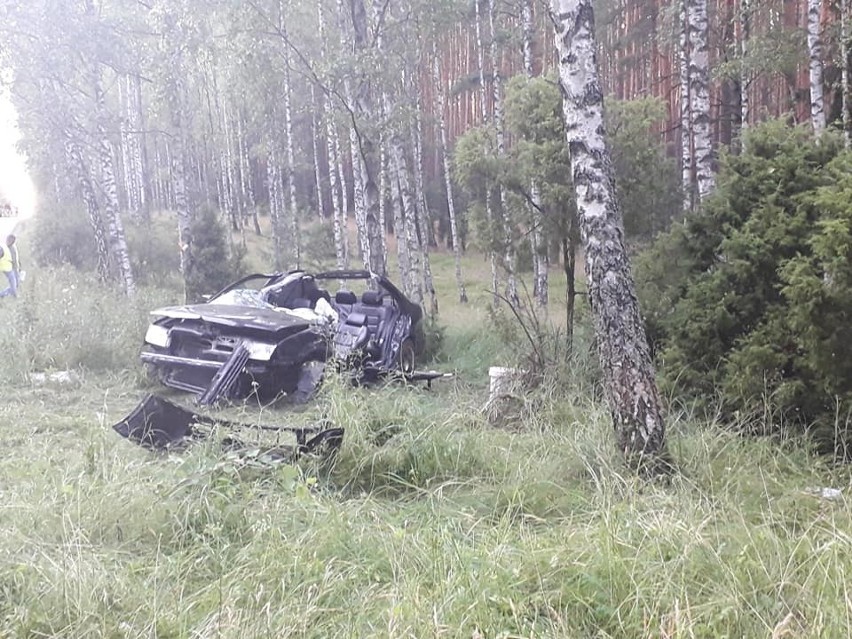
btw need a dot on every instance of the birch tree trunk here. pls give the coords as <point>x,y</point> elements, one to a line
<point>315,149</point>
<point>699,94</point>
<point>366,151</point>
<point>246,181</point>
<point>686,156</point>
<point>445,165</point>
<point>276,201</point>
<point>815,67</point>
<point>112,214</point>
<point>336,176</point>
<point>539,251</point>
<point>625,358</point>
<point>77,167</point>
<point>745,79</point>
<point>295,239</point>
<point>497,88</point>
<point>174,74</point>
<point>489,213</point>
<point>403,257</point>
<point>844,70</point>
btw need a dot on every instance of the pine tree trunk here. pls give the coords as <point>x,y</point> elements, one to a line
<point>625,359</point>
<point>508,235</point>
<point>699,93</point>
<point>686,155</point>
<point>815,67</point>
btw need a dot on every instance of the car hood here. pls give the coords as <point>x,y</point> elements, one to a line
<point>234,316</point>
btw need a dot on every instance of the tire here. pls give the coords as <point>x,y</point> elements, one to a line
<point>406,357</point>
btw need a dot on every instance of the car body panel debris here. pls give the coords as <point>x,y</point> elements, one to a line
<point>256,335</point>
<point>160,425</point>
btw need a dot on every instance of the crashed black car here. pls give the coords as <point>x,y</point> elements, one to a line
<point>264,333</point>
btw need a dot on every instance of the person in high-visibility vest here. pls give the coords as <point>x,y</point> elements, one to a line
<point>7,267</point>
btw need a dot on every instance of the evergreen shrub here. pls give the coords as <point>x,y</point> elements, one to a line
<point>748,301</point>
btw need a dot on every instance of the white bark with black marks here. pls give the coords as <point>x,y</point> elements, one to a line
<point>745,76</point>
<point>539,249</point>
<point>815,67</point>
<point>366,150</point>
<point>509,257</point>
<point>295,235</point>
<point>77,166</point>
<point>699,95</point>
<point>686,164</point>
<point>117,241</point>
<point>625,359</point>
<point>489,213</point>
<point>844,70</point>
<point>315,151</point>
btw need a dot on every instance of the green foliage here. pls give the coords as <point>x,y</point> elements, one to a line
<point>749,299</point>
<point>63,237</point>
<point>65,320</point>
<point>647,179</point>
<point>153,248</point>
<point>212,268</point>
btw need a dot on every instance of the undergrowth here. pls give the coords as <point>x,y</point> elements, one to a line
<point>429,522</point>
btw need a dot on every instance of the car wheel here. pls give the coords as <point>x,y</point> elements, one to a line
<point>406,356</point>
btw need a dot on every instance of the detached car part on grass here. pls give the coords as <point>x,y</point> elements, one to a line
<point>272,334</point>
<point>160,425</point>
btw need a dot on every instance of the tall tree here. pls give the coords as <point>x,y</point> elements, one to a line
<point>539,249</point>
<point>699,96</point>
<point>625,358</point>
<point>815,67</point>
<point>445,166</point>
<point>509,255</point>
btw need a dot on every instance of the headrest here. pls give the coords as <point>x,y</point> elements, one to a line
<point>372,298</point>
<point>356,319</point>
<point>345,297</point>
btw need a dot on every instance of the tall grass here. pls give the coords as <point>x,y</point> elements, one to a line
<point>428,523</point>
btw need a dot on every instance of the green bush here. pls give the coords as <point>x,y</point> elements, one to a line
<point>64,237</point>
<point>748,301</point>
<point>211,266</point>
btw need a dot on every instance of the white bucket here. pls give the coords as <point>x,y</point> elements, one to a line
<point>502,380</point>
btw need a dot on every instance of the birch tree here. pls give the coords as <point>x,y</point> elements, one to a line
<point>699,97</point>
<point>497,89</point>
<point>539,251</point>
<point>445,166</point>
<point>844,70</point>
<point>625,359</point>
<point>815,67</point>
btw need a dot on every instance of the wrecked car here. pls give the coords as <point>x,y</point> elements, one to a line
<point>272,334</point>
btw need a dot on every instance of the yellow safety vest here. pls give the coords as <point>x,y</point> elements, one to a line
<point>5,259</point>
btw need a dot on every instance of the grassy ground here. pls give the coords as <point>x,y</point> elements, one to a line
<point>430,522</point>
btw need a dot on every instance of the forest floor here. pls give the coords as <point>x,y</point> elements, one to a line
<point>431,522</point>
